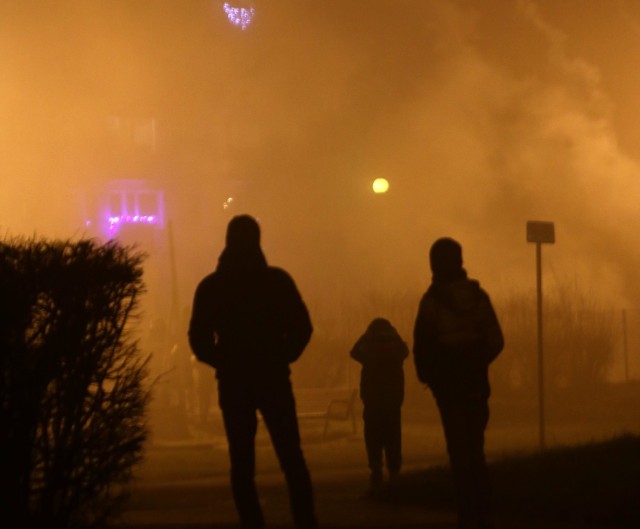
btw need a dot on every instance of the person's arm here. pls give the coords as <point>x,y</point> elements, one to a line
<point>493,337</point>
<point>424,340</point>
<point>360,349</point>
<point>202,327</point>
<point>400,348</point>
<point>298,329</point>
<point>403,349</point>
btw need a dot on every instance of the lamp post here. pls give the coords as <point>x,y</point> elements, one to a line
<point>540,232</point>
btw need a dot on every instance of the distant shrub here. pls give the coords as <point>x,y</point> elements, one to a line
<point>579,338</point>
<point>72,399</point>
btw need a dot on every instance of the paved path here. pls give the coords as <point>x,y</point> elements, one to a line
<point>340,503</point>
<point>207,503</point>
<point>186,485</point>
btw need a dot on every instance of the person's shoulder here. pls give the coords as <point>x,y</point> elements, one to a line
<point>481,294</point>
<point>475,285</point>
<point>428,302</point>
<point>276,273</point>
<point>208,282</point>
<point>280,280</point>
<point>433,292</point>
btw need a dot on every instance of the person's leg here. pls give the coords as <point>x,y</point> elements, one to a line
<point>240,422</point>
<point>478,471</point>
<point>278,410</point>
<point>393,441</point>
<point>373,439</point>
<point>205,391</point>
<point>464,423</point>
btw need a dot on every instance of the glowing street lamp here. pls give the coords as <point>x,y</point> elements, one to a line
<point>380,185</point>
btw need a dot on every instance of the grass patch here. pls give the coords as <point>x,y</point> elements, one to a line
<point>593,485</point>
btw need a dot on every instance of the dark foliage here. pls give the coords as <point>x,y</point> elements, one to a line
<point>590,485</point>
<point>595,484</point>
<point>72,416</point>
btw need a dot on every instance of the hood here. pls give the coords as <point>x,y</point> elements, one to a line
<point>381,328</point>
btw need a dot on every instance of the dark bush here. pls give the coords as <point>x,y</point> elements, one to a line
<point>73,400</point>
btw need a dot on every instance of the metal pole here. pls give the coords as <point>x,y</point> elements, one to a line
<point>175,306</point>
<point>625,347</point>
<point>540,349</point>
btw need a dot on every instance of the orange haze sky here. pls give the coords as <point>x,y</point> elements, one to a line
<point>481,114</point>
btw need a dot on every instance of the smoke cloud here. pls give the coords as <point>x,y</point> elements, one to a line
<point>481,115</point>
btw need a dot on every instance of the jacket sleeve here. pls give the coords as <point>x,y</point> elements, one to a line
<point>360,349</point>
<point>402,349</point>
<point>298,328</point>
<point>493,338</point>
<point>202,327</point>
<point>424,340</point>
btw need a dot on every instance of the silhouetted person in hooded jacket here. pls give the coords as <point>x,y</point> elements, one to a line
<point>381,351</point>
<point>249,323</point>
<point>456,337</point>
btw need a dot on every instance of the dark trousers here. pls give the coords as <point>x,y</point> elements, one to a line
<point>239,402</point>
<point>464,421</point>
<point>383,435</point>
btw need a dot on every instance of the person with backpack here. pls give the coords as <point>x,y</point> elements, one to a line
<point>456,336</point>
<point>381,351</point>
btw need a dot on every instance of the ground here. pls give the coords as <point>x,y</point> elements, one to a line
<point>184,482</point>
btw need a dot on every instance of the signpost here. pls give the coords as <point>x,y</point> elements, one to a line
<point>540,233</point>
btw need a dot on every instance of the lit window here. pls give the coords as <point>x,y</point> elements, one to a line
<point>133,207</point>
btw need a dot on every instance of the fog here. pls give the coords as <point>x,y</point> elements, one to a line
<point>481,114</point>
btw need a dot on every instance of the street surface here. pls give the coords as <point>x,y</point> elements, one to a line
<point>185,484</point>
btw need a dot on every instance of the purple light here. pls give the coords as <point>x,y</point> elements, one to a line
<point>239,16</point>
<point>116,222</point>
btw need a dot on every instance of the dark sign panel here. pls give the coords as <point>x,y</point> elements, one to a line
<point>541,232</point>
